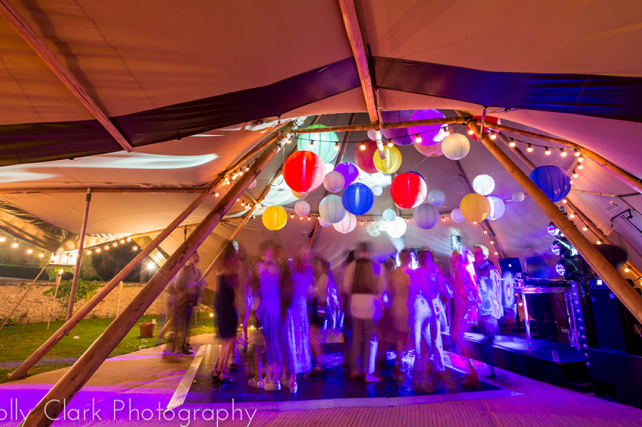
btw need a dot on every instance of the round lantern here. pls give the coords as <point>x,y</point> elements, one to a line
<point>552,180</point>
<point>357,198</point>
<point>389,215</point>
<point>391,163</point>
<point>489,122</point>
<point>483,184</point>
<point>329,167</point>
<point>497,207</point>
<point>428,134</point>
<point>518,197</point>
<point>299,195</point>
<point>302,208</point>
<point>322,144</point>
<point>347,224</point>
<point>324,223</point>
<point>396,228</point>
<point>430,150</point>
<point>455,146</point>
<point>304,171</point>
<point>331,209</point>
<point>349,171</point>
<point>275,218</point>
<point>474,207</point>
<point>363,158</point>
<point>334,181</point>
<point>252,185</point>
<point>426,216</point>
<point>399,136</point>
<point>456,215</point>
<point>436,197</point>
<point>377,190</point>
<point>408,190</point>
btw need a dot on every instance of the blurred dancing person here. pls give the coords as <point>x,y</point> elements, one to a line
<point>344,300</point>
<point>187,290</point>
<point>466,298</point>
<point>490,304</point>
<point>400,308</point>
<point>243,294</point>
<point>227,279</point>
<point>323,309</point>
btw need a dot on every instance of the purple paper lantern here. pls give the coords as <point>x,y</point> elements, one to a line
<point>349,171</point>
<point>398,136</point>
<point>430,134</point>
<point>553,181</point>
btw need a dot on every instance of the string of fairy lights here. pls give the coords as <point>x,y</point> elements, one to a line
<point>14,245</point>
<point>106,247</point>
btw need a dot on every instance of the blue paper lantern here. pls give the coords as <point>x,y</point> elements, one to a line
<point>349,171</point>
<point>389,215</point>
<point>357,199</point>
<point>553,181</point>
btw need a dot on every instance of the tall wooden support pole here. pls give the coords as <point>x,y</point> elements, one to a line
<point>484,224</point>
<point>92,303</point>
<point>81,247</point>
<point>595,259</point>
<point>53,302</point>
<point>629,179</point>
<point>23,297</point>
<point>76,377</point>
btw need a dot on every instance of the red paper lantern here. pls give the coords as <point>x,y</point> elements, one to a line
<point>304,171</point>
<point>488,124</point>
<point>408,190</point>
<point>363,158</point>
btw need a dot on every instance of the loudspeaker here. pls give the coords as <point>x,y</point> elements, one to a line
<point>614,324</point>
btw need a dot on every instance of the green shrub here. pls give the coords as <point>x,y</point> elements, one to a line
<point>85,290</point>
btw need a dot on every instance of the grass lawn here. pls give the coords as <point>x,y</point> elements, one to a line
<point>18,342</point>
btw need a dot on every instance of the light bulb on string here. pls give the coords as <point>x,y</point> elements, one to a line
<point>495,253</point>
<point>493,136</point>
<point>88,252</point>
<point>14,245</point>
<point>446,131</point>
<point>30,251</point>
<point>564,201</point>
<point>311,144</point>
<point>485,232</point>
<point>129,239</point>
<point>492,242</point>
<point>106,247</point>
<point>575,174</point>
<point>98,250</point>
<point>2,238</point>
<point>291,215</point>
<point>572,215</point>
<point>580,159</point>
<point>362,146</point>
<point>443,218</point>
<point>626,269</point>
<point>247,168</point>
<point>407,220</point>
<point>584,228</point>
<point>309,218</point>
<point>470,132</point>
<point>122,241</point>
<point>418,139</point>
<point>41,254</point>
<point>512,143</point>
<point>215,194</point>
<point>580,166</point>
<point>571,182</point>
<point>576,152</point>
<point>115,244</point>
<point>336,146</point>
<point>300,217</point>
<point>529,148</point>
<point>390,144</point>
<point>135,248</point>
<point>599,242</point>
<point>563,152</point>
<point>547,151</point>
<point>361,222</point>
<point>240,173</point>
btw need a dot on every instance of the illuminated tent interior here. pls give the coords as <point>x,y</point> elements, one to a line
<point>194,86</point>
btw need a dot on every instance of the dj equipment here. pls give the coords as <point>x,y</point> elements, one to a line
<point>546,283</point>
<point>616,328</point>
<point>510,264</point>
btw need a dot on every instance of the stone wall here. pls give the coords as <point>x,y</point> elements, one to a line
<point>36,306</point>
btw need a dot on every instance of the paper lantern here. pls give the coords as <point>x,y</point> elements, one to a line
<point>377,190</point>
<point>324,223</point>
<point>322,143</point>
<point>252,185</point>
<point>349,171</point>
<point>430,151</point>
<point>299,195</point>
<point>357,198</point>
<point>429,134</point>
<point>391,163</point>
<point>329,167</point>
<point>552,180</point>
<point>334,181</point>
<point>389,215</point>
<point>363,158</point>
<point>275,218</point>
<point>408,190</point>
<point>399,136</point>
<point>331,209</point>
<point>304,171</point>
<point>426,216</point>
<point>396,228</point>
<point>456,215</point>
<point>518,197</point>
<point>488,124</point>
<point>497,207</point>
<point>483,184</point>
<point>436,197</point>
<point>302,208</point>
<point>474,207</point>
<point>455,146</point>
<point>347,224</point>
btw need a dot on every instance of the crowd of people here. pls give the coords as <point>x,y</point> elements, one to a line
<point>403,304</point>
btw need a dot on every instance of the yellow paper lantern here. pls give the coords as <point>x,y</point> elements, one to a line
<point>275,218</point>
<point>475,207</point>
<point>391,163</point>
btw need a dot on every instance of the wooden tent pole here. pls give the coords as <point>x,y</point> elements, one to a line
<point>81,246</point>
<point>23,297</point>
<point>120,290</point>
<point>53,302</point>
<point>76,377</point>
<point>595,259</point>
<point>92,303</point>
<point>375,126</point>
<point>629,179</point>
<point>485,225</point>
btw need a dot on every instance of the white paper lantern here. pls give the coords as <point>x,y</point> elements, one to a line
<point>497,207</point>
<point>331,209</point>
<point>455,146</point>
<point>302,208</point>
<point>456,215</point>
<point>389,215</point>
<point>396,228</point>
<point>329,167</point>
<point>299,195</point>
<point>324,223</point>
<point>347,224</point>
<point>483,184</point>
<point>377,190</point>
<point>426,216</point>
<point>334,182</point>
<point>518,197</point>
<point>436,197</point>
<point>252,185</point>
